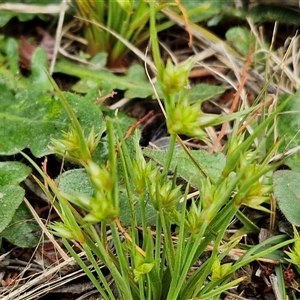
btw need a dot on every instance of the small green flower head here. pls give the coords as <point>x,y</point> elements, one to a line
<point>144,173</point>
<point>219,271</point>
<point>175,78</point>
<point>169,195</point>
<point>102,209</point>
<point>184,119</point>
<point>249,193</point>
<point>294,254</point>
<point>222,188</point>
<point>142,266</point>
<point>107,213</point>
<point>69,146</point>
<point>100,177</point>
<point>233,144</point>
<point>64,230</point>
<point>139,179</point>
<point>258,194</point>
<point>92,141</point>
<point>207,191</point>
<point>165,195</point>
<point>194,218</point>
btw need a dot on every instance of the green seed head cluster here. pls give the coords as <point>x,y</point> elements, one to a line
<point>175,78</point>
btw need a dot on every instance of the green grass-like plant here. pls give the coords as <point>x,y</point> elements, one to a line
<point>149,263</point>
<point>157,262</point>
<point>157,259</point>
<point>127,18</point>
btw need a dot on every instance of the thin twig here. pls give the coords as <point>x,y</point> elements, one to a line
<point>137,123</point>
<point>46,231</point>
<point>235,99</point>
<point>128,237</point>
<point>258,111</point>
<point>186,20</point>
<point>63,8</point>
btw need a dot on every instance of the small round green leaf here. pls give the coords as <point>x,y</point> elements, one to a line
<point>23,231</point>
<point>203,91</point>
<point>287,193</point>
<point>13,172</point>
<point>75,181</point>
<point>11,196</point>
<point>241,39</point>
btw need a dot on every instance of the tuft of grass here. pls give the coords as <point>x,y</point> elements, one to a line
<point>131,22</point>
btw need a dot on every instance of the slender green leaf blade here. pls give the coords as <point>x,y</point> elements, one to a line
<point>134,83</point>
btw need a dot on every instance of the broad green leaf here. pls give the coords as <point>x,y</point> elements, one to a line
<point>77,182</point>
<point>134,83</point>
<point>13,172</point>
<point>125,215</point>
<point>85,85</point>
<point>203,91</point>
<point>11,196</point>
<point>99,60</point>
<point>23,231</point>
<point>288,130</point>
<point>5,16</point>
<point>140,84</point>
<point>29,118</point>
<point>287,194</point>
<point>202,9</point>
<point>12,54</point>
<point>11,209</point>
<point>212,164</point>
<point>293,162</point>
<point>39,63</point>
<point>241,39</point>
<point>12,81</point>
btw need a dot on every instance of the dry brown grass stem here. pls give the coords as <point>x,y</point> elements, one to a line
<point>32,8</point>
<point>235,99</point>
<point>45,231</point>
<point>43,282</point>
<point>128,237</point>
